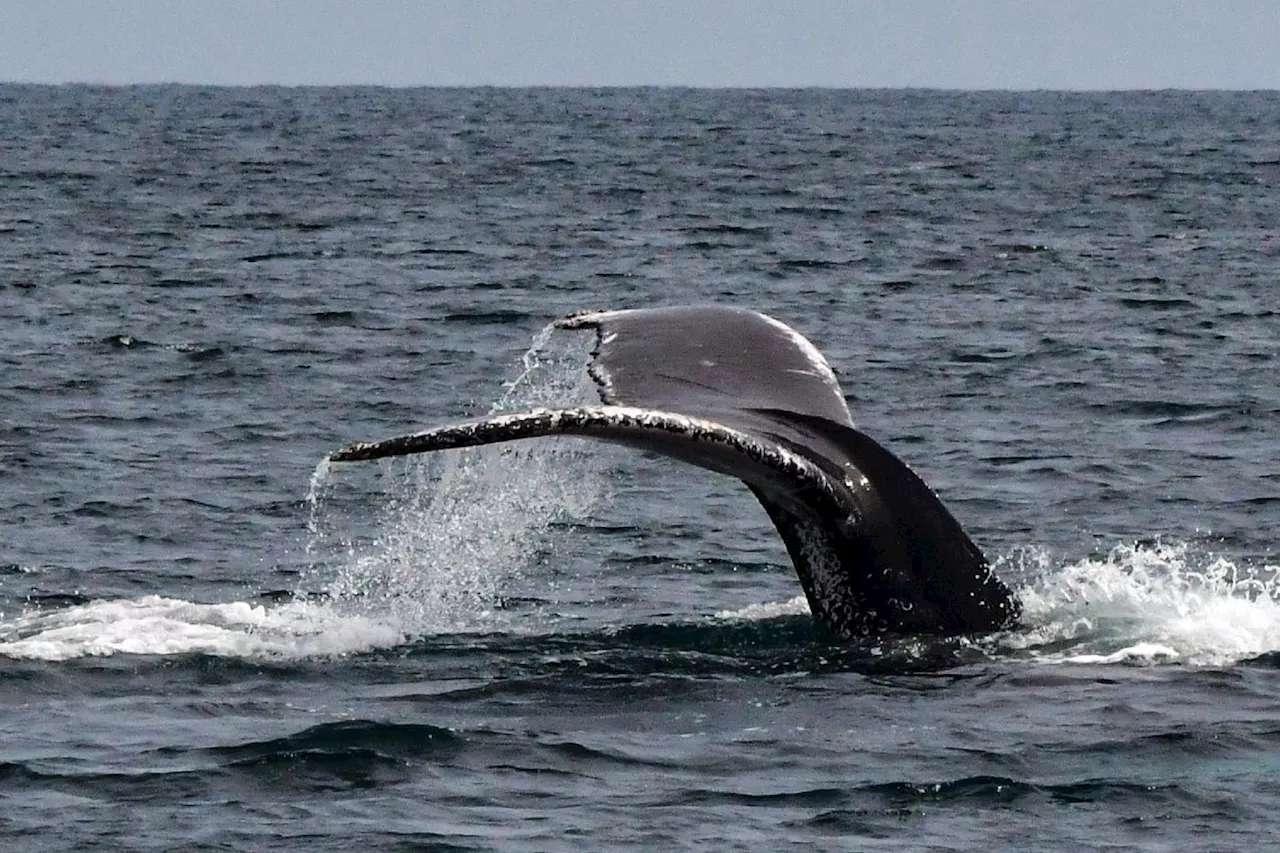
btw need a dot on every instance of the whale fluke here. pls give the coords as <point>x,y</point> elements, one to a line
<point>743,394</point>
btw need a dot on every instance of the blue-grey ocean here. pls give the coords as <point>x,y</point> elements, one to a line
<point>1063,310</point>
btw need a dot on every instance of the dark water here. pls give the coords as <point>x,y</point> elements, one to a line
<point>1060,309</point>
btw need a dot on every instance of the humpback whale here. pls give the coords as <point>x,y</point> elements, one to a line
<point>743,394</point>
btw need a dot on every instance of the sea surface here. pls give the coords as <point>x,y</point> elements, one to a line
<point>1063,310</point>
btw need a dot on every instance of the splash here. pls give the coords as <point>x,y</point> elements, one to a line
<point>1149,603</point>
<point>1137,604</point>
<point>456,529</point>
<point>443,538</point>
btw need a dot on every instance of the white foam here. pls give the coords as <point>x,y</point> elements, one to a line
<point>1151,603</point>
<point>155,625</point>
<point>797,606</point>
<point>1137,653</point>
<point>1136,605</point>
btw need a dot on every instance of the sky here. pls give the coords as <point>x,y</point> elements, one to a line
<point>950,44</point>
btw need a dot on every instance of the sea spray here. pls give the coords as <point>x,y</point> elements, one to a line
<point>452,531</point>
<point>315,490</point>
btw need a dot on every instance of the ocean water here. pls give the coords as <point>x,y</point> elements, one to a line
<point>1060,309</point>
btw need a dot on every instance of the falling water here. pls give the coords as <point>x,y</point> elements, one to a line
<point>454,530</point>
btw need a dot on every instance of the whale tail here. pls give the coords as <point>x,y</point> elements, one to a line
<point>740,393</point>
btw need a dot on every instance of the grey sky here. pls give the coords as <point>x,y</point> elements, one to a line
<point>1011,44</point>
